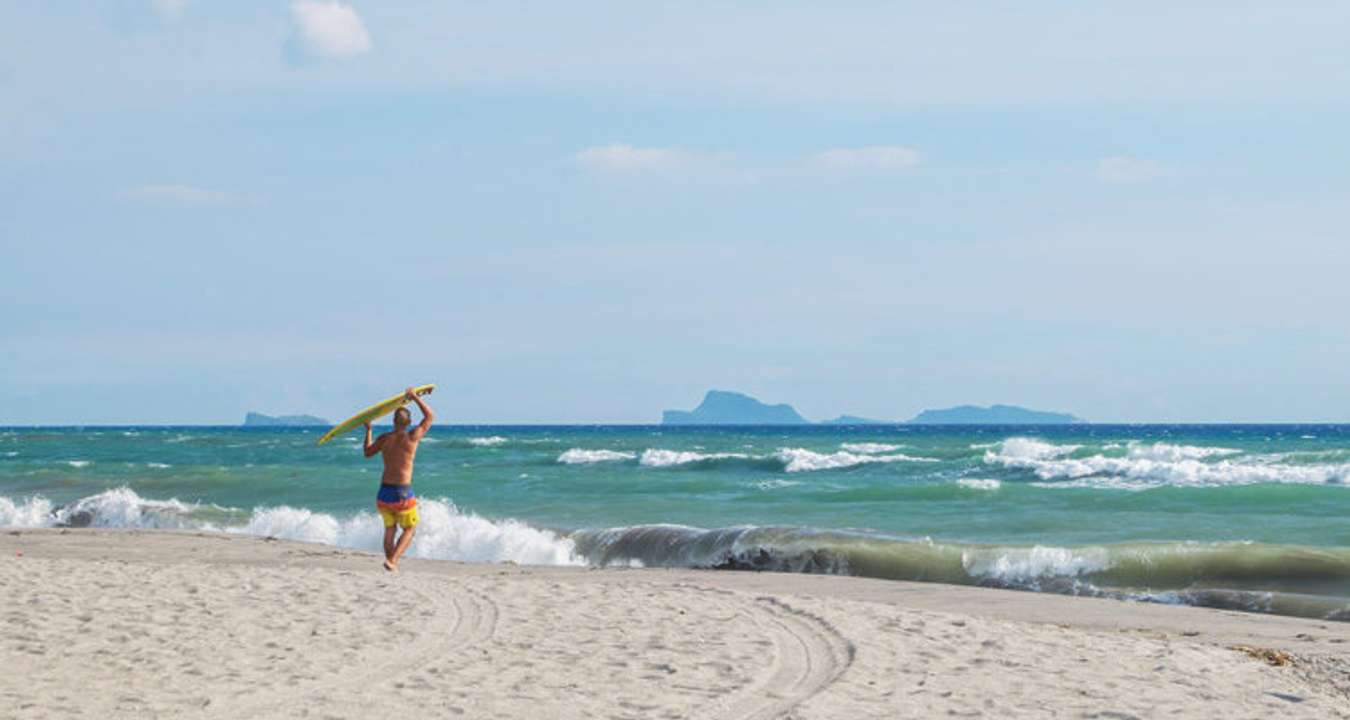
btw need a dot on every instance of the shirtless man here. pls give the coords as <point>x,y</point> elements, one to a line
<point>395,501</point>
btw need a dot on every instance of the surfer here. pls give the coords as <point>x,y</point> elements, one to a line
<point>395,501</point>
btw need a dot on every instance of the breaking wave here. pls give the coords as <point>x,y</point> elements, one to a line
<point>487,441</point>
<point>1139,466</point>
<point>668,458</point>
<point>446,533</point>
<point>578,456</point>
<point>803,460</point>
<point>870,447</point>
<point>1282,579</point>
<point>785,459</point>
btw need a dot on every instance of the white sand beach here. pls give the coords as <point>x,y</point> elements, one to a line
<point>162,624</point>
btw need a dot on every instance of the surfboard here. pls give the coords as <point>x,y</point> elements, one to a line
<point>374,412</point>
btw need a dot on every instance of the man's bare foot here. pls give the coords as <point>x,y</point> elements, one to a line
<point>390,566</point>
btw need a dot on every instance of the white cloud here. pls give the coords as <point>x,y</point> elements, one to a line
<point>329,29</point>
<point>181,195</point>
<point>626,158</point>
<point>1124,169</point>
<point>875,157</point>
<point>169,8</point>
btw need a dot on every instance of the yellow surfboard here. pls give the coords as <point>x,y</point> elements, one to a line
<point>378,410</point>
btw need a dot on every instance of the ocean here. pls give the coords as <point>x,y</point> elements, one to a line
<point>1245,517</point>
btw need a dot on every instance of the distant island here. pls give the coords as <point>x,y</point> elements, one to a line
<point>720,407</point>
<point>254,419</point>
<point>855,420</point>
<point>993,415</point>
<point>723,407</point>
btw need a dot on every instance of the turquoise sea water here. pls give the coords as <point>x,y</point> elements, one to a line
<point>1251,517</point>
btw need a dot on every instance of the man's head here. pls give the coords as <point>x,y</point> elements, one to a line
<point>402,418</point>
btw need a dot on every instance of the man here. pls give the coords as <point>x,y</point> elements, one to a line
<point>395,501</point>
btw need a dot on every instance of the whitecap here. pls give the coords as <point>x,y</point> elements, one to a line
<point>803,460</point>
<point>487,441</point>
<point>1029,449</point>
<point>580,456</point>
<point>979,483</point>
<point>1171,453</point>
<point>668,458</point>
<point>870,447</point>
<point>1145,466</point>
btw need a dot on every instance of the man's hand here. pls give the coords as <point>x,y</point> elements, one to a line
<point>367,424</point>
<point>409,394</point>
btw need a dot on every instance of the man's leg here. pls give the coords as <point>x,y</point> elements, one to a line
<point>404,541</point>
<point>389,541</point>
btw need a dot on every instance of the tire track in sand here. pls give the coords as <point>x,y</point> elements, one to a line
<point>809,656</point>
<point>475,623</point>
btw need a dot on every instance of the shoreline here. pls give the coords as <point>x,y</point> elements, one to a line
<point>271,624</point>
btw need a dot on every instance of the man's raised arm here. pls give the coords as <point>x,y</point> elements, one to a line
<point>371,448</point>
<point>427,414</point>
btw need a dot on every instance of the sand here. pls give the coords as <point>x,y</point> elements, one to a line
<point>161,624</point>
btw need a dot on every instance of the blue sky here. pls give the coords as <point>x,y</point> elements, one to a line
<point>591,212</point>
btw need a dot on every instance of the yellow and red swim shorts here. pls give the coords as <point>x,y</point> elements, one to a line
<point>397,504</point>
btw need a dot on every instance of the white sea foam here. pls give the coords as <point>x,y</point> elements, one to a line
<point>1021,448</point>
<point>32,513</point>
<point>12,453</point>
<point>1024,566</point>
<point>1166,452</point>
<point>979,483</point>
<point>79,463</point>
<point>665,458</point>
<point>445,533</point>
<point>869,448</point>
<point>580,456</point>
<point>487,441</point>
<point>120,507</point>
<point>158,465</point>
<point>803,460</point>
<point>1146,466</point>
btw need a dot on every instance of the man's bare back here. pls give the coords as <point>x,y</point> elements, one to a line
<point>395,501</point>
<point>399,449</point>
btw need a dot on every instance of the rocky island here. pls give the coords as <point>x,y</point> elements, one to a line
<point>855,420</point>
<point>255,419</point>
<point>992,415</point>
<point>720,407</point>
<point>723,407</point>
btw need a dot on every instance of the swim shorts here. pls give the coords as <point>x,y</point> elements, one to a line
<point>397,504</point>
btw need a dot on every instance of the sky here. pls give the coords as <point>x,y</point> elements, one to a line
<point>591,212</point>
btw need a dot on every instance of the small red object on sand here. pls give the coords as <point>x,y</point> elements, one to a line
<point>18,553</point>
